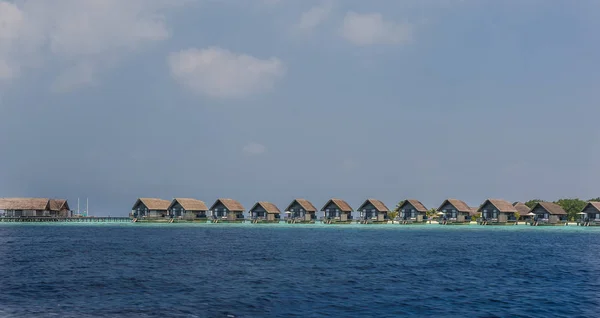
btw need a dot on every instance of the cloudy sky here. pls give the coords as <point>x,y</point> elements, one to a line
<point>271,100</point>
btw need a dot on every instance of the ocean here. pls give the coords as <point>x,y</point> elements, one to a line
<point>252,270</point>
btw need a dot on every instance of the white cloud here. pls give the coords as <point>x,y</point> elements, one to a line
<point>371,28</point>
<point>315,16</point>
<point>254,149</point>
<point>220,73</point>
<point>90,34</point>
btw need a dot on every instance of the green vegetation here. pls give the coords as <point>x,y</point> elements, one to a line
<point>431,213</point>
<point>392,215</point>
<point>572,207</point>
<point>532,203</point>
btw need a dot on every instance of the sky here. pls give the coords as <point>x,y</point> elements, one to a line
<point>271,100</point>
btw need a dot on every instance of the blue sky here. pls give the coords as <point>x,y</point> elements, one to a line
<point>272,100</point>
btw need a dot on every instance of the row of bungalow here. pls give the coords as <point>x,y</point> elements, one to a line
<point>411,211</point>
<point>34,207</point>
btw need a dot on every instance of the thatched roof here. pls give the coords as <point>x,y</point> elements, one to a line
<point>230,204</point>
<point>379,206</point>
<point>501,205</point>
<point>416,204</point>
<point>189,204</point>
<point>42,204</point>
<point>267,206</point>
<point>305,204</point>
<point>58,205</point>
<point>596,205</point>
<point>341,204</point>
<point>153,203</point>
<point>474,210</point>
<point>521,208</point>
<point>459,205</point>
<point>551,208</point>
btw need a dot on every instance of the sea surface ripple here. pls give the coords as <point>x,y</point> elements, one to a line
<point>131,270</point>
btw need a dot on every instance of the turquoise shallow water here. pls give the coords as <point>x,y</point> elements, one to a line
<point>250,270</point>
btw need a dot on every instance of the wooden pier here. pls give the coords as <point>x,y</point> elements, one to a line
<point>87,219</point>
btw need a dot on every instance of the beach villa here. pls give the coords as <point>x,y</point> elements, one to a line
<point>337,211</point>
<point>264,211</point>
<point>590,215</point>
<point>35,207</point>
<point>150,208</point>
<point>412,211</point>
<point>548,213</point>
<point>454,211</point>
<point>187,209</point>
<point>497,212</point>
<point>373,211</point>
<point>227,210</point>
<point>301,211</point>
<point>523,210</point>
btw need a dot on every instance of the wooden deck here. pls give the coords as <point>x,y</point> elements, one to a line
<point>88,219</point>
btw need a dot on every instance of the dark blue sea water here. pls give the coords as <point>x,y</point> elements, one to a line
<point>132,270</point>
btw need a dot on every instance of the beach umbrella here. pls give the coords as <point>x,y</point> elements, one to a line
<point>530,214</point>
<point>581,213</point>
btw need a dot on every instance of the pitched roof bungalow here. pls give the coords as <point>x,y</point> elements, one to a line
<point>21,207</point>
<point>228,210</point>
<point>590,214</point>
<point>187,208</point>
<point>412,211</point>
<point>337,211</point>
<point>523,210</point>
<point>373,210</point>
<point>455,211</point>
<point>60,207</point>
<point>150,208</point>
<point>264,211</point>
<point>548,213</point>
<point>497,212</point>
<point>301,211</point>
